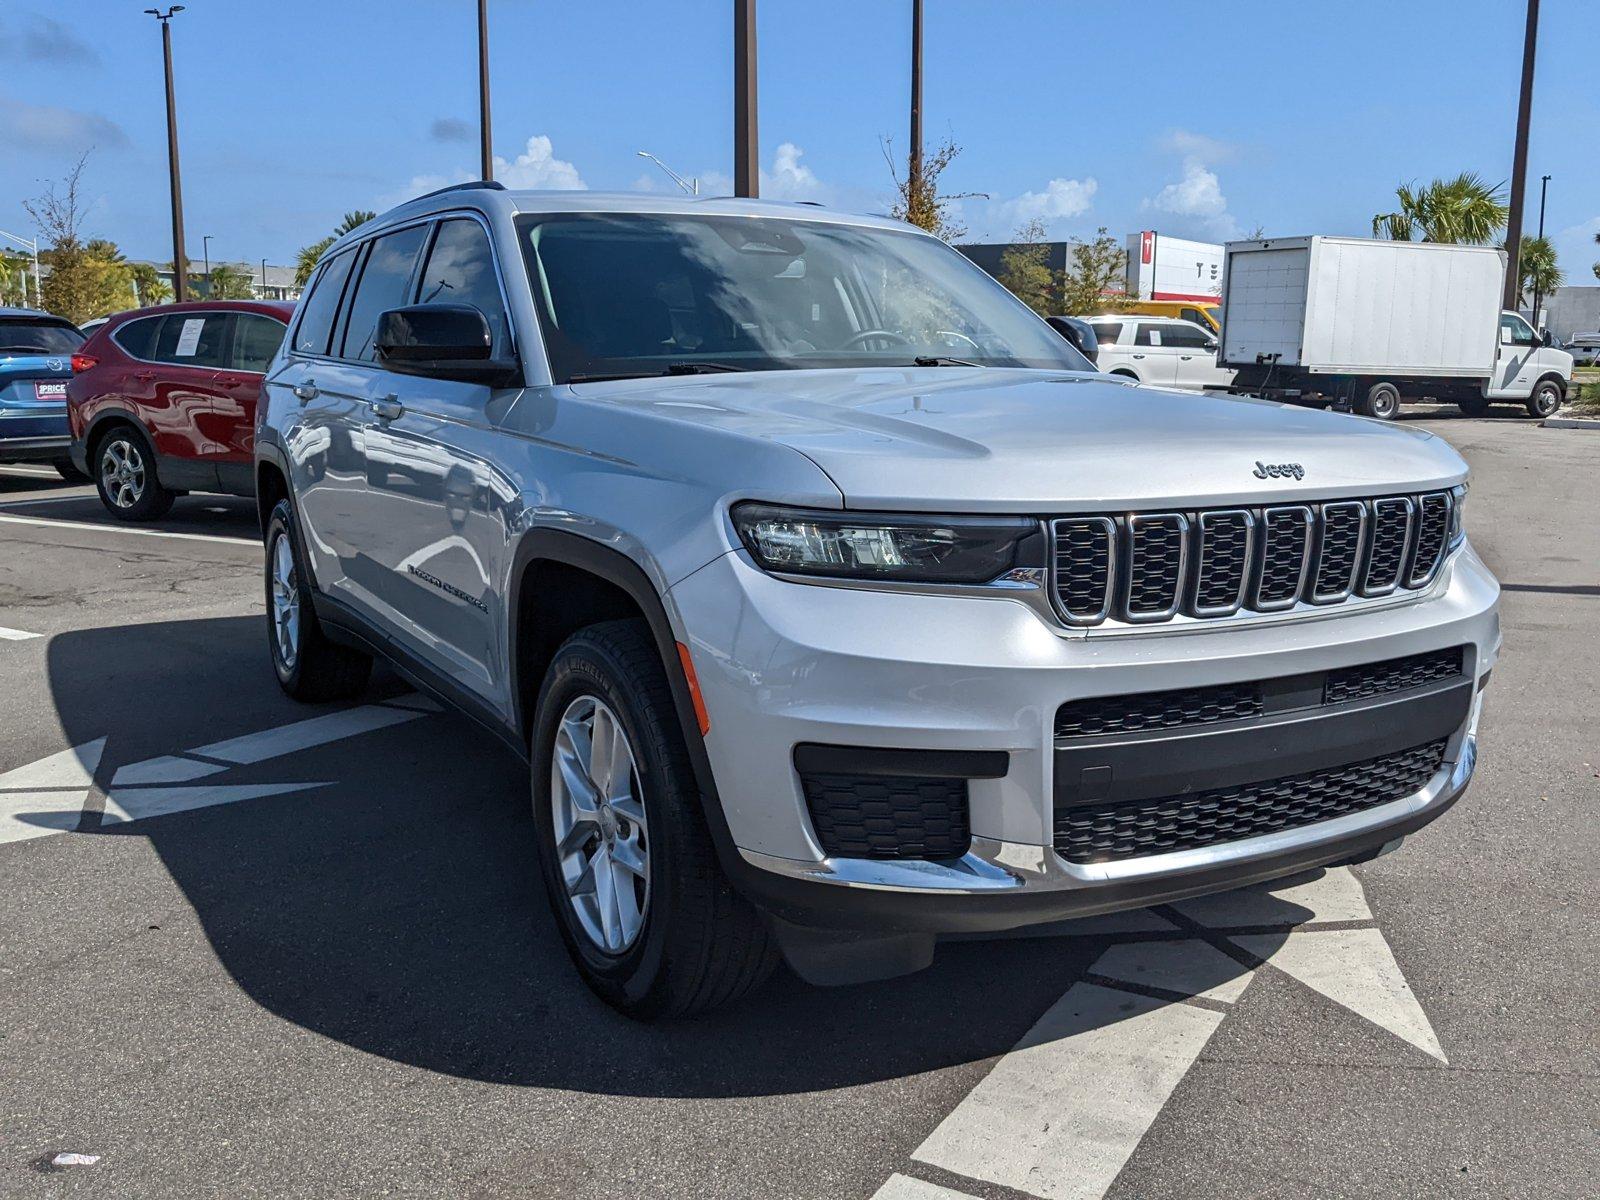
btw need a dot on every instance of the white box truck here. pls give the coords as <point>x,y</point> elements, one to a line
<point>1362,324</point>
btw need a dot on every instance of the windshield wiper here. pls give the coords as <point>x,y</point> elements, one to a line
<point>930,360</point>
<point>699,368</point>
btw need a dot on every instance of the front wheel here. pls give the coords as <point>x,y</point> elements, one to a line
<point>1381,401</point>
<point>309,666</point>
<point>1546,399</point>
<point>651,923</point>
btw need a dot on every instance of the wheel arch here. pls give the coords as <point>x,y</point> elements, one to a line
<point>563,581</point>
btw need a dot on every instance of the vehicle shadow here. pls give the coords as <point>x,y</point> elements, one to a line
<point>393,904</point>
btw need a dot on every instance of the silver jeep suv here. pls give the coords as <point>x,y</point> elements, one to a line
<point>836,603</point>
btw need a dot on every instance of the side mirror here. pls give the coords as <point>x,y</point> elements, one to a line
<point>1211,343</point>
<point>442,341</point>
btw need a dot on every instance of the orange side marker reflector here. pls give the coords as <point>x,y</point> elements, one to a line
<point>694,690</point>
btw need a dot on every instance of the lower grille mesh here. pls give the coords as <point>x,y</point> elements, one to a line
<point>1111,833</point>
<point>888,816</point>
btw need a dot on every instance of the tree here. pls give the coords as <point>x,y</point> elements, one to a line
<point>148,285</point>
<point>1463,209</point>
<point>305,262</point>
<point>1537,260</point>
<point>1093,282</point>
<point>1596,267</point>
<point>88,278</point>
<point>919,201</point>
<point>1025,268</point>
<point>15,284</point>
<point>227,282</point>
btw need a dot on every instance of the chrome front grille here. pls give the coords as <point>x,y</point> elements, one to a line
<point>1151,567</point>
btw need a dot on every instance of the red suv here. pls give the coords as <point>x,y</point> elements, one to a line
<point>164,401</point>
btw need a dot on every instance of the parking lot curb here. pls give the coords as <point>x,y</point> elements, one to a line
<point>1570,423</point>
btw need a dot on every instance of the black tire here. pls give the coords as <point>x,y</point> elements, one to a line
<point>700,944</point>
<point>1381,401</point>
<point>69,471</point>
<point>1476,407</point>
<point>1546,399</point>
<point>314,668</point>
<point>124,466</point>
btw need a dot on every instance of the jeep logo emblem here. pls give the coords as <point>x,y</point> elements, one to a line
<point>1278,470</point>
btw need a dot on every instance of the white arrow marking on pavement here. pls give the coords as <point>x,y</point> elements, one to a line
<point>47,796</point>
<point>15,635</point>
<point>303,735</point>
<point>1355,968</point>
<point>134,804</point>
<point>1061,1113</point>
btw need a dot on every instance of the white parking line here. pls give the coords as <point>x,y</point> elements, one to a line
<point>50,523</point>
<point>302,735</point>
<point>47,796</point>
<point>903,1187</point>
<point>15,635</point>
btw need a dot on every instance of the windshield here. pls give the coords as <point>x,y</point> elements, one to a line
<point>22,335</point>
<point>630,294</point>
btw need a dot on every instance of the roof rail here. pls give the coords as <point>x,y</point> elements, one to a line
<point>493,185</point>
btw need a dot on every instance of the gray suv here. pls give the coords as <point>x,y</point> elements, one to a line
<point>835,601</point>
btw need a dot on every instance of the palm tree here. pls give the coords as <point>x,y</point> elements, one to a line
<point>1596,267</point>
<point>1537,261</point>
<point>305,262</point>
<point>227,282</point>
<point>1463,209</point>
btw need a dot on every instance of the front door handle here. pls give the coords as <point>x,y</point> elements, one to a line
<point>306,391</point>
<point>1186,357</point>
<point>1138,356</point>
<point>388,409</point>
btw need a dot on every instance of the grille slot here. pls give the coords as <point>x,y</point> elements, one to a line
<point>1226,541</point>
<point>1285,556</point>
<point>1344,525</point>
<point>1085,568</point>
<point>1112,833</point>
<point>1099,716</point>
<point>1393,675</point>
<point>1149,567</point>
<point>1158,548</point>
<point>1391,539</point>
<point>1433,531</point>
<point>888,816</point>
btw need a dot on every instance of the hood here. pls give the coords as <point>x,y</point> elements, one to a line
<point>1034,441</point>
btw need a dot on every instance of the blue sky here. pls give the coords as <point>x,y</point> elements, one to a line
<point>1203,120</point>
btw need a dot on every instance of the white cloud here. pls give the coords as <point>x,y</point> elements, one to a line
<point>1061,198</point>
<point>538,167</point>
<point>1196,202</point>
<point>53,129</point>
<point>790,179</point>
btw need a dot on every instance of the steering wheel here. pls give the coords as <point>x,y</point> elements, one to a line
<point>882,335</point>
<point>955,333</point>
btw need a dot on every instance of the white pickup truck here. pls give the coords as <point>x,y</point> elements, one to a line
<point>1362,323</point>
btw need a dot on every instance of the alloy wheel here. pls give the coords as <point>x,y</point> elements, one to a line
<point>285,603</point>
<point>122,472</point>
<point>602,841</point>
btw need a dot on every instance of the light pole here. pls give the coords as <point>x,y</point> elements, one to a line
<point>692,186</point>
<point>914,167</point>
<point>484,151</point>
<point>1544,186</point>
<point>746,139</point>
<point>264,295</point>
<point>1519,162</point>
<point>205,248</point>
<point>33,245</point>
<point>180,273</point>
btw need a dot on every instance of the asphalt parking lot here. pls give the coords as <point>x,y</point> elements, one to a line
<point>249,948</point>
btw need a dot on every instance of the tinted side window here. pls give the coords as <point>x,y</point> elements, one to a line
<point>460,270</point>
<point>1148,335</point>
<point>138,338</point>
<point>316,316</point>
<point>29,335</point>
<point>1108,332</point>
<point>384,284</point>
<point>255,340</point>
<point>1187,336</point>
<point>192,340</point>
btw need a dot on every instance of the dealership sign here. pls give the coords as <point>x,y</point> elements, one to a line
<point>1169,268</point>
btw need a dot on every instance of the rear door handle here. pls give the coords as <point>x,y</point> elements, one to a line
<point>306,391</point>
<point>388,408</point>
<point>144,376</point>
<point>1138,356</point>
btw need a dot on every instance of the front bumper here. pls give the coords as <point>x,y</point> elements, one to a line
<point>784,664</point>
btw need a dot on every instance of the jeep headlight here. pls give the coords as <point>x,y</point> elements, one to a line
<point>1458,523</point>
<point>907,547</point>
